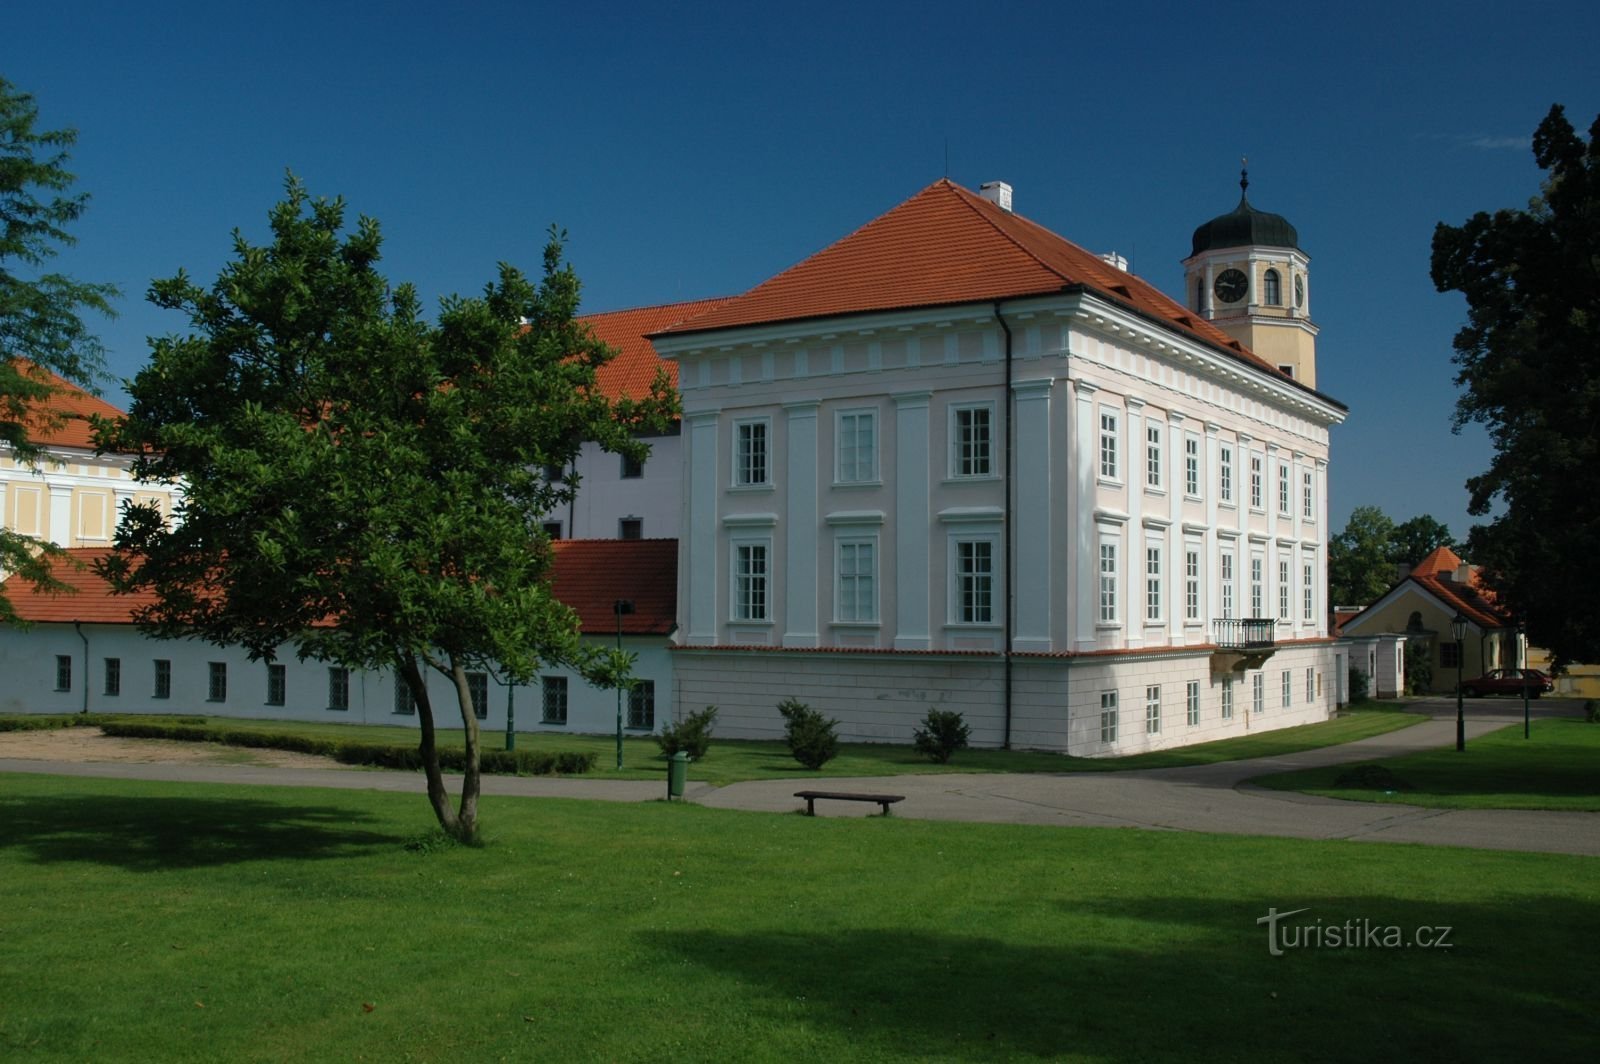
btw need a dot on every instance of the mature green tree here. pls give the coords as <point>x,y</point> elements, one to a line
<point>1359,569</point>
<point>41,313</point>
<point>360,484</point>
<point>1529,367</point>
<point>1417,538</point>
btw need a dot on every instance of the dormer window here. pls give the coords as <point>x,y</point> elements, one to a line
<point>1272,287</point>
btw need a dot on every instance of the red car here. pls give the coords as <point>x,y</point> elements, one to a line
<point>1508,682</point>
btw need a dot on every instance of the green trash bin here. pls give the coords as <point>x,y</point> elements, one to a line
<point>677,774</point>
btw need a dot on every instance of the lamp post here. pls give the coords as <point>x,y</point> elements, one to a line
<point>1458,628</point>
<point>1522,662</point>
<point>621,607</point>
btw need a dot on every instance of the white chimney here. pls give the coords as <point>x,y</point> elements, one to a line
<point>1464,574</point>
<point>1119,261</point>
<point>997,193</point>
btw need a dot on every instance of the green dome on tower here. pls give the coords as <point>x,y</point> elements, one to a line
<point>1244,226</point>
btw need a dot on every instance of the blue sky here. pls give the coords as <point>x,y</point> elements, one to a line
<point>694,150</point>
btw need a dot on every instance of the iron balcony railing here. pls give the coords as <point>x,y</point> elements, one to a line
<point>1244,633</point>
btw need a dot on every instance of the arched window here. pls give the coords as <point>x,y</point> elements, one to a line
<point>1274,288</point>
<point>1200,294</point>
<point>1414,624</point>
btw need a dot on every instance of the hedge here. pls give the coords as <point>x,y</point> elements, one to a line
<point>500,762</point>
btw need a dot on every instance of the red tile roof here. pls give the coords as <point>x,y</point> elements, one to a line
<point>1474,598</point>
<point>90,602</point>
<point>630,373</point>
<point>72,407</point>
<point>588,575</point>
<point>591,574</point>
<point>945,246</point>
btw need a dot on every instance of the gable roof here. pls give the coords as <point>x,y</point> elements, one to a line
<point>1473,598</point>
<point>587,575</point>
<point>630,373</point>
<point>1436,576</point>
<point>62,420</point>
<point>945,246</point>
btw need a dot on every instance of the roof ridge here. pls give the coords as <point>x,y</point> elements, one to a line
<point>652,306</point>
<point>967,196</point>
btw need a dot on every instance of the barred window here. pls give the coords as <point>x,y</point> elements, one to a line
<point>642,704</point>
<point>478,691</point>
<point>554,698</point>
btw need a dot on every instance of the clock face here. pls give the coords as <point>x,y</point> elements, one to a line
<point>1231,286</point>
<point>1299,291</point>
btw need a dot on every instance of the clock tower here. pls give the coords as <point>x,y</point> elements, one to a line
<point>1248,276</point>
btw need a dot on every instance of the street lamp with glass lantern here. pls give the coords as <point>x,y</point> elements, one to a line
<point>1458,628</point>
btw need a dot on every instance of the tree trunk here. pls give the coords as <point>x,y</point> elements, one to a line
<point>467,817</point>
<point>438,796</point>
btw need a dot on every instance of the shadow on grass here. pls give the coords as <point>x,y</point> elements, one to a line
<point>1179,979</point>
<point>150,834</point>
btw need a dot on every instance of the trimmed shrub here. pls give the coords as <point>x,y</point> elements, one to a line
<point>692,734</point>
<point>1591,711</point>
<point>48,722</point>
<point>943,732</point>
<point>1419,668</point>
<point>809,734</point>
<point>1358,686</point>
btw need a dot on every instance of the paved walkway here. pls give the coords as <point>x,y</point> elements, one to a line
<point>1206,798</point>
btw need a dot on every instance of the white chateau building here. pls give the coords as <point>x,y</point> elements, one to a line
<point>955,461</point>
<point>950,461</point>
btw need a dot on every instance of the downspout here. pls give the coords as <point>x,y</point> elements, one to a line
<point>79,626</point>
<point>1006,530</point>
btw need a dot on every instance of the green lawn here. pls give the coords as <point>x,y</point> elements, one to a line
<point>1557,768</point>
<point>184,922</point>
<point>734,760</point>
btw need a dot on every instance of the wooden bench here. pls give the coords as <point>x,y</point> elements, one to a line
<point>883,800</point>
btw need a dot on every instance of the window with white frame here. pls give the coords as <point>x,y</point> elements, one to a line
<point>1225,473</point>
<point>1306,589</point>
<point>1152,710</point>
<point>750,581</point>
<point>1255,482</point>
<point>856,589</point>
<point>1307,506</point>
<point>642,704</point>
<point>1191,466</point>
<point>1288,690</point>
<point>1152,583</point>
<point>1255,585</point>
<point>163,678</point>
<point>632,468</point>
<point>1108,716</point>
<point>1311,684</point>
<point>1284,591</point>
<point>974,581</point>
<point>338,689</point>
<point>113,676</point>
<point>216,681</point>
<point>553,699</point>
<point>1272,288</point>
<point>1152,455</point>
<point>1108,580</point>
<point>1227,698</point>
<point>857,436</point>
<point>1283,489</point>
<point>1227,583</point>
<point>1108,444</point>
<point>1258,693</point>
<point>750,452</point>
<point>405,700</point>
<point>972,440</point>
<point>1191,701</point>
<point>1191,584</point>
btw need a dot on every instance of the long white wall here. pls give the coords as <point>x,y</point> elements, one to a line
<point>28,683</point>
<point>1056,702</point>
